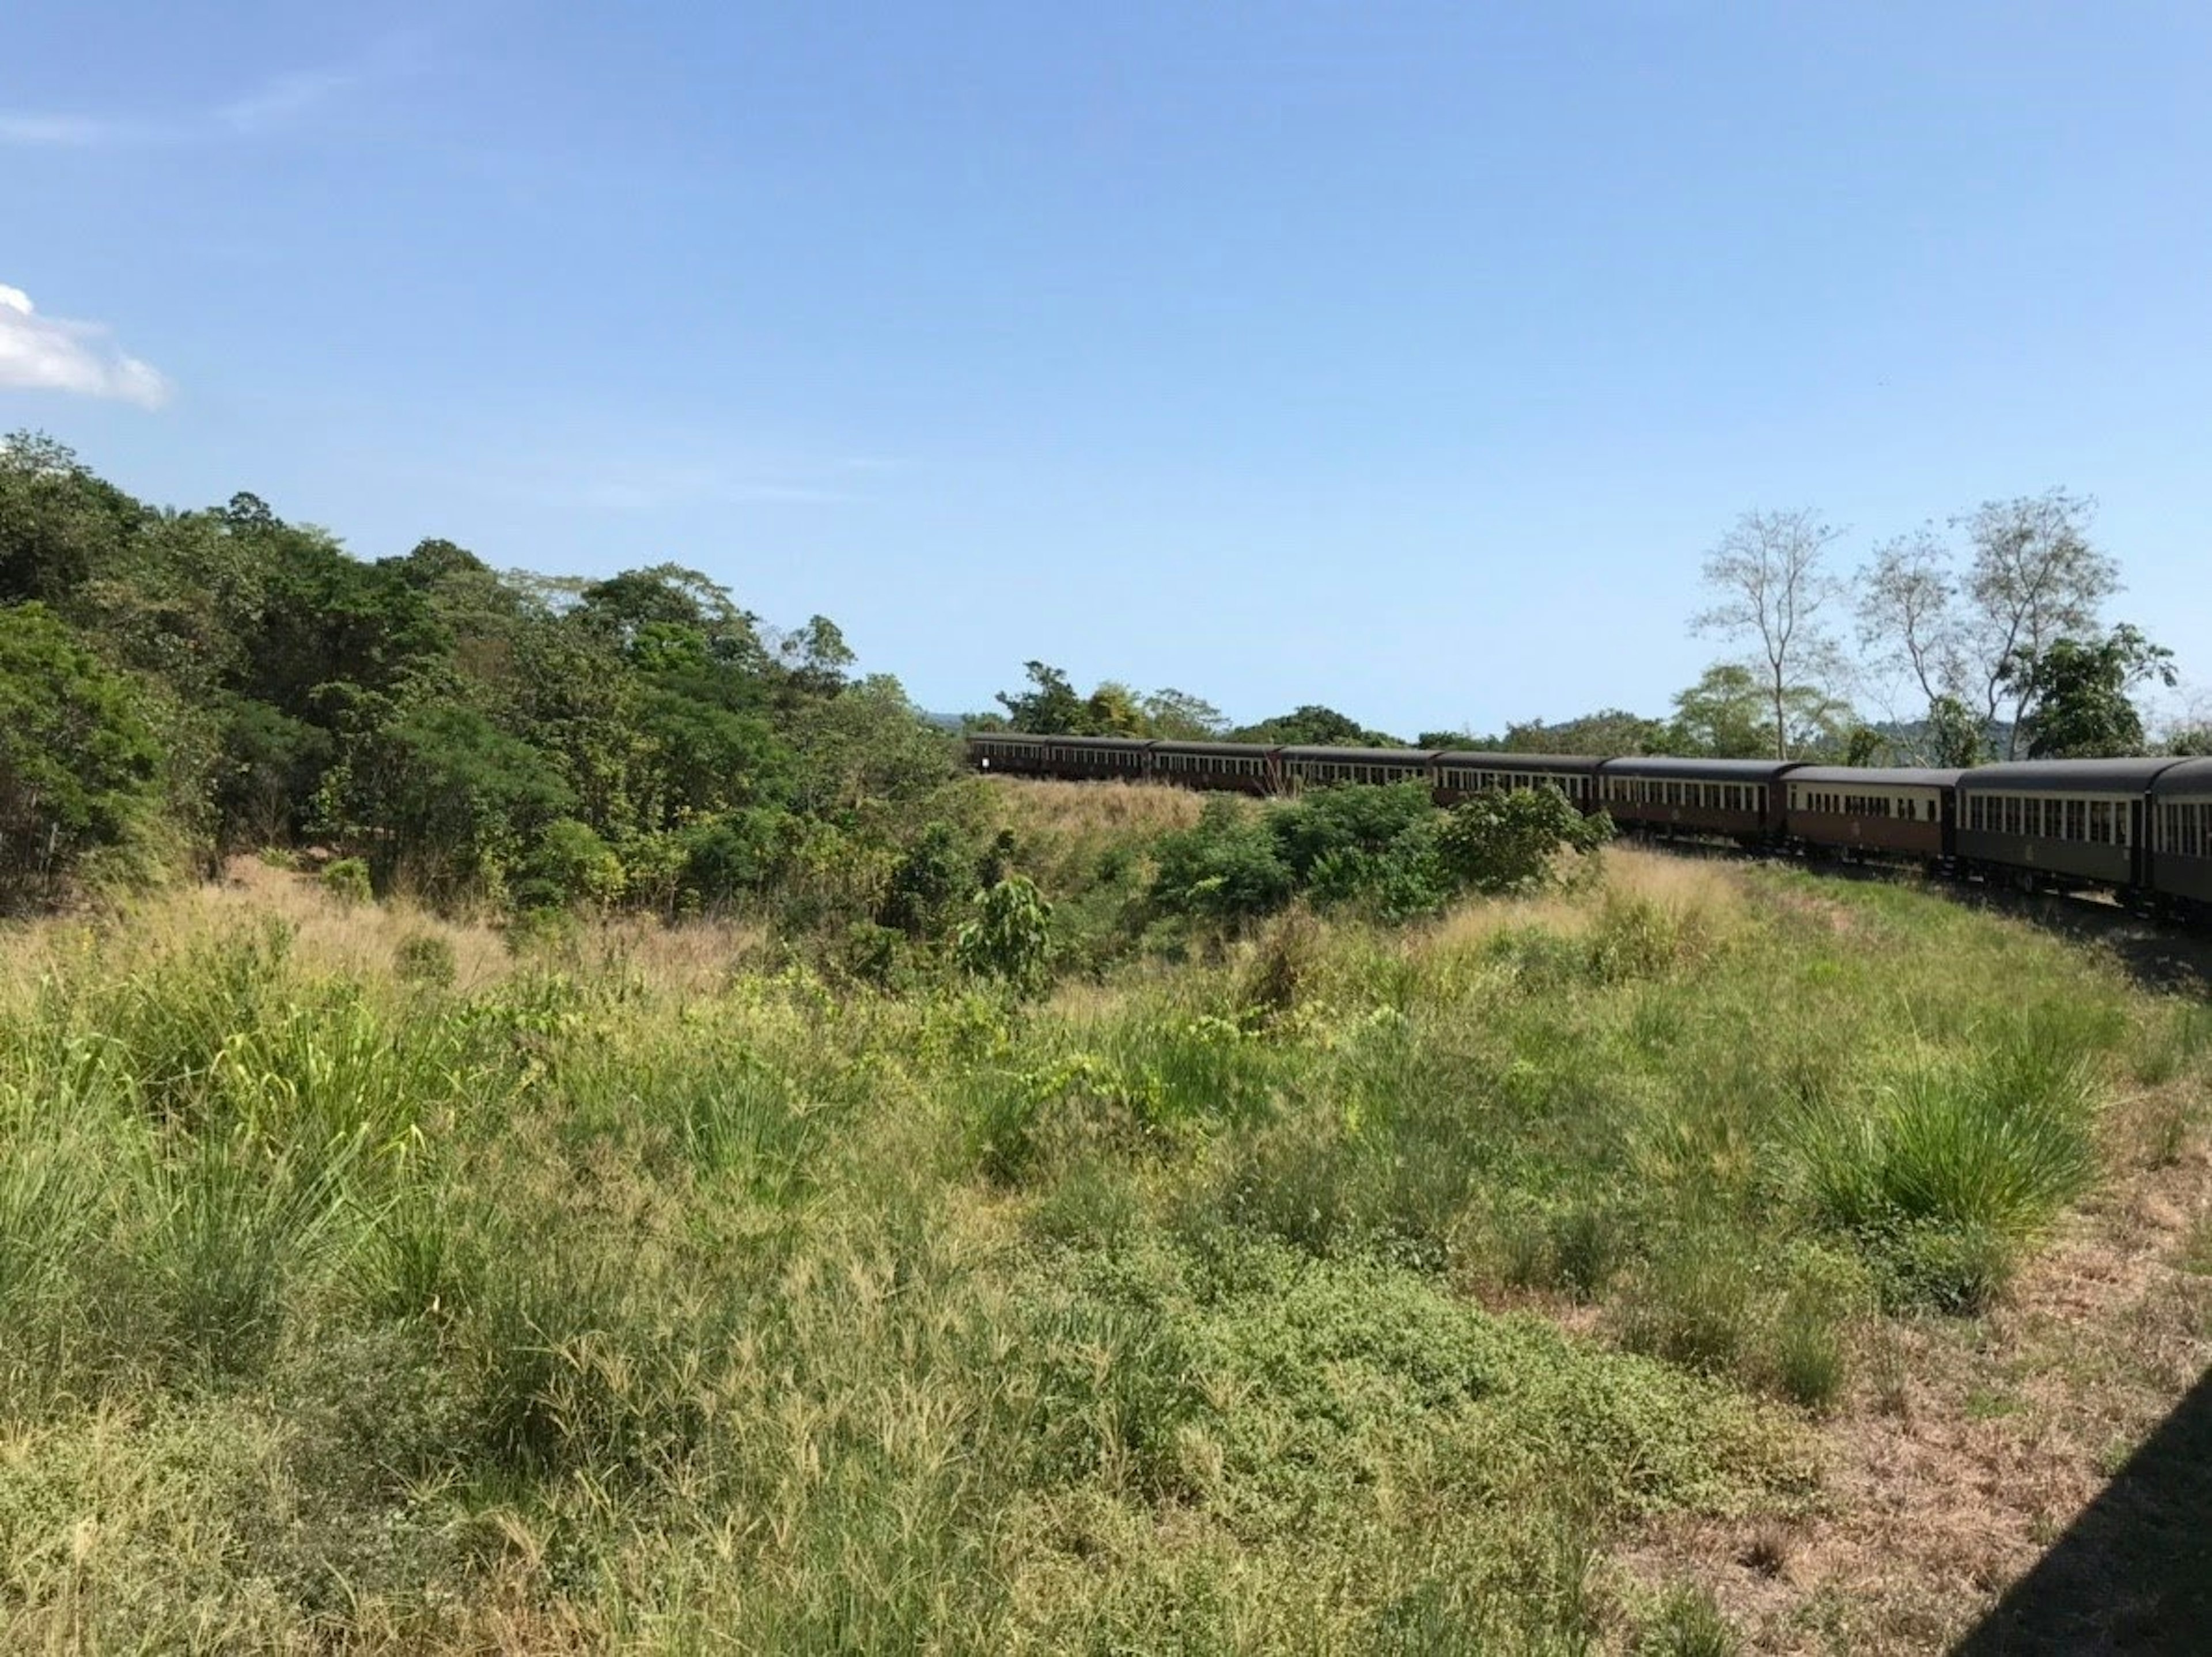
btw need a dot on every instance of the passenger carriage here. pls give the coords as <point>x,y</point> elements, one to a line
<point>2058,822</point>
<point>1309,768</point>
<point>1244,767</point>
<point>2181,835</point>
<point>1736,799</point>
<point>1892,811</point>
<point>1459,775</point>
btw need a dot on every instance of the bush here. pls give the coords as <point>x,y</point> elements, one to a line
<point>1512,842</point>
<point>1009,937</point>
<point>568,864</point>
<point>1226,868</point>
<point>424,958</point>
<point>346,880</point>
<point>931,875</point>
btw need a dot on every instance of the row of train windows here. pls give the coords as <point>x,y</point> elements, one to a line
<point>1339,770</point>
<point>1903,806</point>
<point>1452,776</point>
<point>1232,766</point>
<point>1705,796</point>
<point>2184,827</point>
<point>2092,822</point>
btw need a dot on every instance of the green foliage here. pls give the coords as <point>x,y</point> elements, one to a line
<point>2077,693</point>
<point>347,879</point>
<point>78,766</point>
<point>1958,1165</point>
<point>933,873</point>
<point>424,958</point>
<point>568,863</point>
<point>1010,936</point>
<point>1313,726</point>
<point>1227,868</point>
<point>1730,714</point>
<point>1513,842</point>
<point>1687,1623</point>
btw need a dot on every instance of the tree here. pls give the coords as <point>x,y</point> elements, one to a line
<point>1770,585</point>
<point>1609,732</point>
<point>2079,693</point>
<point>1049,707</point>
<point>78,766</point>
<point>2033,579</point>
<point>1314,726</point>
<point>1724,716</point>
<point>1178,716</point>
<point>1954,735</point>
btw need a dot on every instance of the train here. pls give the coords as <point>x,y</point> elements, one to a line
<point>2139,829</point>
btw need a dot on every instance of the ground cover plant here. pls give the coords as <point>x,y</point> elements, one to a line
<point>368,1284</point>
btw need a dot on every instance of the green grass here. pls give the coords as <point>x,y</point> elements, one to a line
<point>1224,1306</point>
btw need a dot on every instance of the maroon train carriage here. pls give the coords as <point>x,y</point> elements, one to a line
<point>1086,759</point>
<point>1245,768</point>
<point>1735,799</point>
<point>2058,823</point>
<point>2181,837</point>
<point>1012,753</point>
<point>1889,812</point>
<point>1311,768</point>
<point>1460,775</point>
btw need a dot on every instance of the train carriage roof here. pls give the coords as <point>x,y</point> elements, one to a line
<point>1660,765</point>
<point>2187,776</point>
<point>1058,742</point>
<point>1471,760</point>
<point>1877,776</point>
<point>1226,751</point>
<point>2129,776</point>
<point>1418,756</point>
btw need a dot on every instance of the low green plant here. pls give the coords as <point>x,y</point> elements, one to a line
<point>1686,1622</point>
<point>346,880</point>
<point>424,958</point>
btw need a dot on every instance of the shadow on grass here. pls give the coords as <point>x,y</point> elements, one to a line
<point>2134,1572</point>
<point>2161,956</point>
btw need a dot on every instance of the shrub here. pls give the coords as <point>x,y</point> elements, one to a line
<point>929,877</point>
<point>424,958</point>
<point>346,880</point>
<point>568,864</point>
<point>1010,939</point>
<point>1512,842</point>
<point>1225,868</point>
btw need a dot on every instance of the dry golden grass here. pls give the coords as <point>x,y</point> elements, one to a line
<point>1086,809</point>
<point>330,935</point>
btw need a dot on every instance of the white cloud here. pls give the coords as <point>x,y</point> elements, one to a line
<point>283,101</point>
<point>48,354</point>
<point>280,100</point>
<point>70,131</point>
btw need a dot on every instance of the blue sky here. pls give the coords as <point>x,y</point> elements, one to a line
<point>1406,357</point>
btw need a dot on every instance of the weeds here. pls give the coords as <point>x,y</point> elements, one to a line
<point>376,1295</point>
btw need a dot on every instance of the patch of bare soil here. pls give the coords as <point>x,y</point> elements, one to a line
<point>2039,1480</point>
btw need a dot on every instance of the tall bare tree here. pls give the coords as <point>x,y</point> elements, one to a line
<point>1767,577</point>
<point>2033,578</point>
<point>1908,619</point>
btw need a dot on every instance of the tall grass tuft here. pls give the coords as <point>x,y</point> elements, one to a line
<point>1961,1162</point>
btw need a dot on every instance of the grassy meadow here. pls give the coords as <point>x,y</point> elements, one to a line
<point>1547,1277</point>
